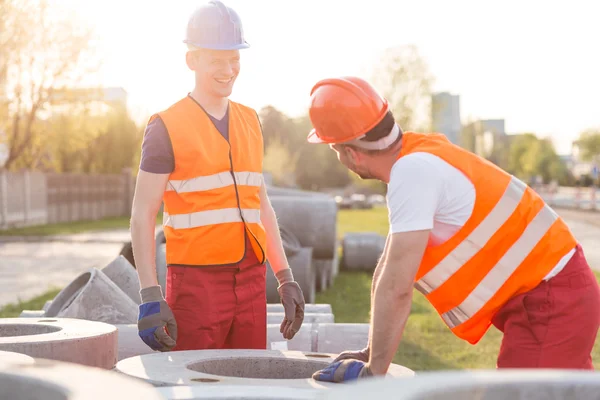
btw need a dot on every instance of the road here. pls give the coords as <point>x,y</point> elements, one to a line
<point>28,269</point>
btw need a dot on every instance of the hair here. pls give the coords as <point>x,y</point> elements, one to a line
<point>381,130</point>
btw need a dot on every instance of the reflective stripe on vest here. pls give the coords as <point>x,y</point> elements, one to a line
<point>222,179</point>
<point>502,270</point>
<point>211,217</point>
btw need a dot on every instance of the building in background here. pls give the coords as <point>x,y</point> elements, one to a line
<point>445,115</point>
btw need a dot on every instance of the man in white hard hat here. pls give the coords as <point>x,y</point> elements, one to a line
<point>203,157</point>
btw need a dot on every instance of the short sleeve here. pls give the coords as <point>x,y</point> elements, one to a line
<point>414,194</point>
<point>157,150</point>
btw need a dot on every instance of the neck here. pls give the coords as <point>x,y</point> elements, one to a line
<point>388,163</point>
<point>215,106</point>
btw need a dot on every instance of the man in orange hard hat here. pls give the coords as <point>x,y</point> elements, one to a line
<point>477,242</point>
<point>203,157</point>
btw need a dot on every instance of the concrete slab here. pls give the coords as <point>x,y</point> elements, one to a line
<point>130,344</point>
<point>72,340</point>
<point>308,308</point>
<point>277,317</point>
<point>489,385</point>
<point>322,338</point>
<point>51,380</point>
<point>291,369</point>
<point>237,392</point>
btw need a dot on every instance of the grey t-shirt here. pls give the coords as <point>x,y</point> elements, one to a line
<point>157,150</point>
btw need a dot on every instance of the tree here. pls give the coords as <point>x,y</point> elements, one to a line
<point>403,78</point>
<point>530,156</point>
<point>42,51</point>
<point>589,144</point>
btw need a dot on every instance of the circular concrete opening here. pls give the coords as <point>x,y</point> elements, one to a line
<point>27,388</point>
<point>260,368</point>
<point>68,294</point>
<point>12,330</point>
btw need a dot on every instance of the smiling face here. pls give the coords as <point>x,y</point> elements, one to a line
<point>216,70</point>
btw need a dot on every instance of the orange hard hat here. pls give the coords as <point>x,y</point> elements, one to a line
<point>343,109</point>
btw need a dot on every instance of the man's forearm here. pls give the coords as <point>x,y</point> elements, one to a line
<point>143,245</point>
<point>391,309</point>
<point>376,275</point>
<point>275,252</point>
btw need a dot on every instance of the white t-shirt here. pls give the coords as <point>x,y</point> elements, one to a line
<point>425,192</point>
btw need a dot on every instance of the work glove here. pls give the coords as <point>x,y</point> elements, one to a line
<point>343,371</point>
<point>155,314</point>
<point>361,355</point>
<point>293,303</point>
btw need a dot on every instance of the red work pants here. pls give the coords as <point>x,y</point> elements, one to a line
<point>219,307</point>
<point>555,324</point>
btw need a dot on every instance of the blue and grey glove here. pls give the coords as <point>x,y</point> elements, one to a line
<point>343,371</point>
<point>155,314</point>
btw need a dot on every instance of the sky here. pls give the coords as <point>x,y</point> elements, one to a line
<point>534,63</point>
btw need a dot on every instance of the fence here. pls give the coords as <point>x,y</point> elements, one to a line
<point>35,198</point>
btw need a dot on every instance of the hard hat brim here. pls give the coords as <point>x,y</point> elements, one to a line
<point>314,138</point>
<point>239,46</point>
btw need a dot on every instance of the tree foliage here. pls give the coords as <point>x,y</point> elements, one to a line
<point>43,51</point>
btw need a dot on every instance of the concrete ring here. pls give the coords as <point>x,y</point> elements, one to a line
<point>78,341</point>
<point>47,379</point>
<point>235,367</point>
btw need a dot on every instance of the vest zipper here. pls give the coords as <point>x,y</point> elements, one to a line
<point>237,196</point>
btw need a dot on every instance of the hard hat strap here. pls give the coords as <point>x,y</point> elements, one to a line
<point>380,144</point>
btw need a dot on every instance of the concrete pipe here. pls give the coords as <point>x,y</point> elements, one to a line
<point>485,385</point>
<point>12,357</point>
<point>304,274</point>
<point>130,344</point>
<point>52,380</point>
<point>362,250</point>
<point>313,220</point>
<point>275,318</point>
<point>71,340</point>
<point>47,305</point>
<point>93,296</point>
<point>309,308</point>
<point>321,337</point>
<point>122,273</point>
<point>237,392</point>
<point>234,367</point>
<point>323,271</point>
<point>32,314</point>
<point>161,265</point>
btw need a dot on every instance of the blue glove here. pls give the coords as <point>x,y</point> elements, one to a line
<point>343,371</point>
<point>155,314</point>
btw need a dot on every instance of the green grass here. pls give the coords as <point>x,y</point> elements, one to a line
<point>14,310</point>
<point>72,227</point>
<point>427,343</point>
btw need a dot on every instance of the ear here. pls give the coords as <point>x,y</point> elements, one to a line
<point>352,154</point>
<point>191,59</point>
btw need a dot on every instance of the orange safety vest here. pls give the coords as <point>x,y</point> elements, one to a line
<point>213,194</point>
<point>511,241</point>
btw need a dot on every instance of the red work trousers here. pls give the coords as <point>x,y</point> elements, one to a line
<point>220,307</point>
<point>555,324</point>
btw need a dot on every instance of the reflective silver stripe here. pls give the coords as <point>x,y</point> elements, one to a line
<point>212,217</point>
<point>477,239</point>
<point>500,273</point>
<point>209,182</point>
